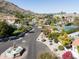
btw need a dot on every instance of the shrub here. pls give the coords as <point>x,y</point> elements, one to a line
<point>67,55</point>
<point>64,39</point>
<point>16,32</point>
<point>29,28</point>
<point>47,56</point>
<point>22,29</point>
<point>78,49</point>
<point>55,49</point>
<point>43,40</point>
<point>56,40</point>
<point>60,47</point>
<point>68,46</point>
<point>69,24</point>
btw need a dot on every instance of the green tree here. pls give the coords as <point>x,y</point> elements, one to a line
<point>5,29</point>
<point>56,19</point>
<point>50,35</point>
<point>64,39</point>
<point>78,49</point>
<point>22,29</point>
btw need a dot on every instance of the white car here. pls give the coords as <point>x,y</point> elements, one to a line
<point>32,30</point>
<point>20,38</point>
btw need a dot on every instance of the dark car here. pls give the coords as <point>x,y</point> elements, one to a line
<point>12,38</point>
<point>1,40</point>
<point>5,39</point>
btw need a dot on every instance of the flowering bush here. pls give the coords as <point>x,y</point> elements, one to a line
<point>67,55</point>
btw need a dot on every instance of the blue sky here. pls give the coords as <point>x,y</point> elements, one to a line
<point>48,6</point>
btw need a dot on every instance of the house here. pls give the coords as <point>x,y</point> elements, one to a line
<point>48,27</point>
<point>10,19</point>
<point>75,48</point>
<point>74,35</point>
<point>67,18</point>
<point>75,43</point>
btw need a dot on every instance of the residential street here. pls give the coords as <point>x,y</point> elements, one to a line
<point>32,44</point>
<point>5,45</point>
<point>28,41</point>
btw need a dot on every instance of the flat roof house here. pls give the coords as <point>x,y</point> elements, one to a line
<point>74,35</point>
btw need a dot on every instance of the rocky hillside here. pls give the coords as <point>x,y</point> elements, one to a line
<point>10,8</point>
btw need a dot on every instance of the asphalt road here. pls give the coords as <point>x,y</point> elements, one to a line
<point>30,42</point>
<point>5,45</point>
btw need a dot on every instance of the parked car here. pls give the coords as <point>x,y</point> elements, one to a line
<point>50,40</point>
<point>20,38</point>
<point>21,35</point>
<point>5,39</point>
<point>1,40</point>
<point>31,31</point>
<point>43,40</point>
<point>50,43</point>
<point>12,38</point>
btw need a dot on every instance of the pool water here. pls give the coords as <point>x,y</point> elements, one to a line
<point>72,27</point>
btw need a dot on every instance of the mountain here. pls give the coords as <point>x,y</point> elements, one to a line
<point>10,8</point>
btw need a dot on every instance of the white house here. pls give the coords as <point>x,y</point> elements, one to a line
<point>8,18</point>
<point>74,35</point>
<point>74,50</point>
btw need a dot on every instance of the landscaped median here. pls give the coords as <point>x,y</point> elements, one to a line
<point>46,55</point>
<point>53,47</point>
